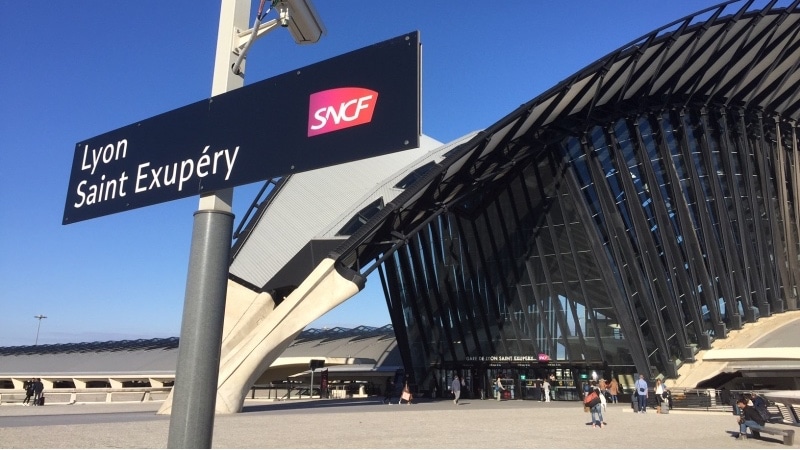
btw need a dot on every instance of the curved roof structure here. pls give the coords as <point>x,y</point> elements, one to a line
<point>585,225</point>
<point>725,55</point>
<point>628,216</point>
<point>603,203</point>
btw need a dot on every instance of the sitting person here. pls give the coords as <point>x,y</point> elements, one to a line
<point>750,418</point>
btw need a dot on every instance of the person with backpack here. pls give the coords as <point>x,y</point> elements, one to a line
<point>593,401</point>
<point>38,387</point>
<point>498,388</point>
<point>640,388</point>
<point>28,392</point>
<point>750,418</point>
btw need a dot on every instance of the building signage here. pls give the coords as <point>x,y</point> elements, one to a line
<point>496,358</point>
<point>358,105</point>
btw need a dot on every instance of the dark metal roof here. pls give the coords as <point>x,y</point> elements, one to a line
<point>732,54</point>
<point>92,347</point>
<point>359,332</point>
<point>159,356</point>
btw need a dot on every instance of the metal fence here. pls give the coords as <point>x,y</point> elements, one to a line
<point>90,395</point>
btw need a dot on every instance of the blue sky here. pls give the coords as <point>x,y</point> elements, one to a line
<point>74,70</point>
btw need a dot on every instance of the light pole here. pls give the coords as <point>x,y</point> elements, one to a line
<point>40,317</point>
<point>196,374</point>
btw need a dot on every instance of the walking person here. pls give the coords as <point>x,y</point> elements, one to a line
<point>659,394</point>
<point>613,390</point>
<point>388,391</point>
<point>28,392</point>
<point>38,387</point>
<point>498,388</point>
<point>596,405</point>
<point>456,386</point>
<point>641,391</point>
<point>546,385</point>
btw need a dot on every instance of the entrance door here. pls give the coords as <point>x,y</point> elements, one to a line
<point>509,378</point>
<point>471,383</point>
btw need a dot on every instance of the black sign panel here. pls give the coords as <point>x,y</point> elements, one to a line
<point>358,105</point>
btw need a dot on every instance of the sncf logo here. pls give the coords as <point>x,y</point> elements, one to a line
<point>337,109</point>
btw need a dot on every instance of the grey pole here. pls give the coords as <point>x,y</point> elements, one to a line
<point>194,397</point>
<point>40,317</point>
<point>311,386</point>
<point>195,392</point>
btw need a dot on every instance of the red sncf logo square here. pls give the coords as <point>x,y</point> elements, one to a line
<point>337,109</point>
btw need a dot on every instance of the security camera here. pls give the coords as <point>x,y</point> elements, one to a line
<point>283,15</point>
<point>302,20</point>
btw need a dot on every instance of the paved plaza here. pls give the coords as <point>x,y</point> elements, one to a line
<point>367,423</point>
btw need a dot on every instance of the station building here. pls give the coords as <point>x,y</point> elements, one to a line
<point>624,220</point>
<point>618,224</point>
<point>351,361</point>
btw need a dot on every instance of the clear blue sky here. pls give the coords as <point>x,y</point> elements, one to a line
<point>72,70</point>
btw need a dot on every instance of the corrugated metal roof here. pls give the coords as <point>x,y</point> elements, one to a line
<point>309,204</point>
<point>387,188</point>
<point>158,357</point>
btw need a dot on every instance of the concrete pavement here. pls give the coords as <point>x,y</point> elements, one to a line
<point>367,423</point>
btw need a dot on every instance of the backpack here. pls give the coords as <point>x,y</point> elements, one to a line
<point>763,412</point>
<point>760,405</point>
<point>591,399</point>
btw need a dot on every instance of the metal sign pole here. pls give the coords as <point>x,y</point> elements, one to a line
<point>195,391</point>
<point>311,386</point>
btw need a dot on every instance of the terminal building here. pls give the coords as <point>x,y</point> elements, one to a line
<point>620,223</point>
<point>352,362</point>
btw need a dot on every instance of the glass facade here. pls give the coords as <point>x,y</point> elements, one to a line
<point>622,246</point>
<point>616,224</point>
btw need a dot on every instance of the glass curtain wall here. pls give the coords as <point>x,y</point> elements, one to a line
<point>630,244</point>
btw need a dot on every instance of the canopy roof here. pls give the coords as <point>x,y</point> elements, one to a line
<point>728,55</point>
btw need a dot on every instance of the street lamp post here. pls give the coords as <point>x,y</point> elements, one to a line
<point>40,317</point>
<point>196,374</point>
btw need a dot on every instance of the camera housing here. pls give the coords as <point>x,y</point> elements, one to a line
<point>302,20</point>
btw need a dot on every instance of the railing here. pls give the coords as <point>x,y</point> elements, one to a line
<point>787,412</point>
<point>700,399</point>
<point>295,391</point>
<point>90,395</point>
<point>281,391</point>
<point>65,396</point>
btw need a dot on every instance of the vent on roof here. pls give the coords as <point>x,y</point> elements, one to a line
<point>415,175</point>
<point>361,331</point>
<point>361,217</point>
